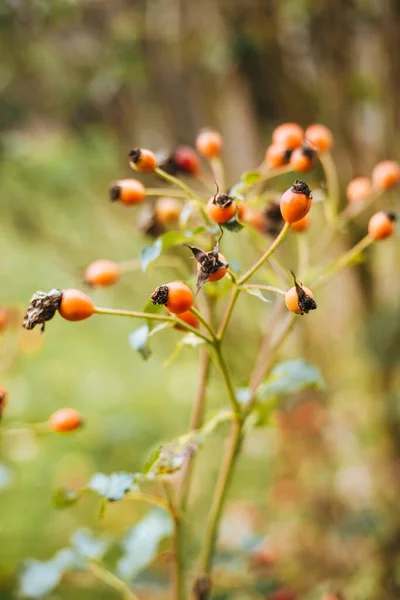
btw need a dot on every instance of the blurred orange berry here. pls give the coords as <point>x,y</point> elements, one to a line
<point>65,420</point>
<point>168,210</point>
<point>386,175</point>
<point>301,225</point>
<point>288,135</point>
<point>142,160</point>
<point>320,136</point>
<point>277,156</point>
<point>102,272</point>
<point>209,143</point>
<point>128,191</point>
<point>188,318</point>
<point>3,319</point>
<point>303,158</point>
<point>381,225</point>
<point>359,189</point>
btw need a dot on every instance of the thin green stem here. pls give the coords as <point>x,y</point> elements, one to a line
<point>203,321</point>
<point>112,580</point>
<point>148,499</point>
<point>331,204</point>
<point>220,493</point>
<point>267,288</point>
<point>218,171</point>
<point>228,312</point>
<point>179,592</point>
<point>166,192</point>
<point>195,423</point>
<point>343,261</point>
<point>267,356</point>
<point>151,317</point>
<point>178,183</point>
<point>227,380</point>
<point>277,241</point>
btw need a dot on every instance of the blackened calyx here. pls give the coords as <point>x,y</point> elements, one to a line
<point>209,263</point>
<point>42,307</point>
<point>222,200</point>
<point>160,295</point>
<point>300,187</point>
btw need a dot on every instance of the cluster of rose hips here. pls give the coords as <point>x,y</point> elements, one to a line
<point>292,149</point>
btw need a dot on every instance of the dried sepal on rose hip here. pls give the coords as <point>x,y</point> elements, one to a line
<point>42,308</point>
<point>73,305</point>
<point>142,160</point>
<point>221,208</point>
<point>299,299</point>
<point>211,266</point>
<point>175,296</point>
<point>295,203</point>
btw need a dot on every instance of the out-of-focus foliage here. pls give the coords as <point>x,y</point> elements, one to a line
<point>314,502</point>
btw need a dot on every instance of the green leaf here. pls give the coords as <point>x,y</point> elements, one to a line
<point>170,457</point>
<point>38,579</point>
<point>232,225</point>
<point>167,240</point>
<point>63,498</point>
<point>289,377</point>
<point>250,177</point>
<point>112,487</point>
<point>150,253</point>
<point>87,545</point>
<point>141,544</point>
<point>139,339</point>
<point>257,293</point>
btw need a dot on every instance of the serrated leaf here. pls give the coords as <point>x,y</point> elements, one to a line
<point>139,339</point>
<point>87,545</point>
<point>112,487</point>
<point>63,498</point>
<point>167,240</point>
<point>141,544</point>
<point>289,377</point>
<point>38,579</point>
<point>257,293</point>
<point>233,225</point>
<point>250,177</point>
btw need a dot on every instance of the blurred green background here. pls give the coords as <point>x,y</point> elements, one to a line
<point>82,81</point>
